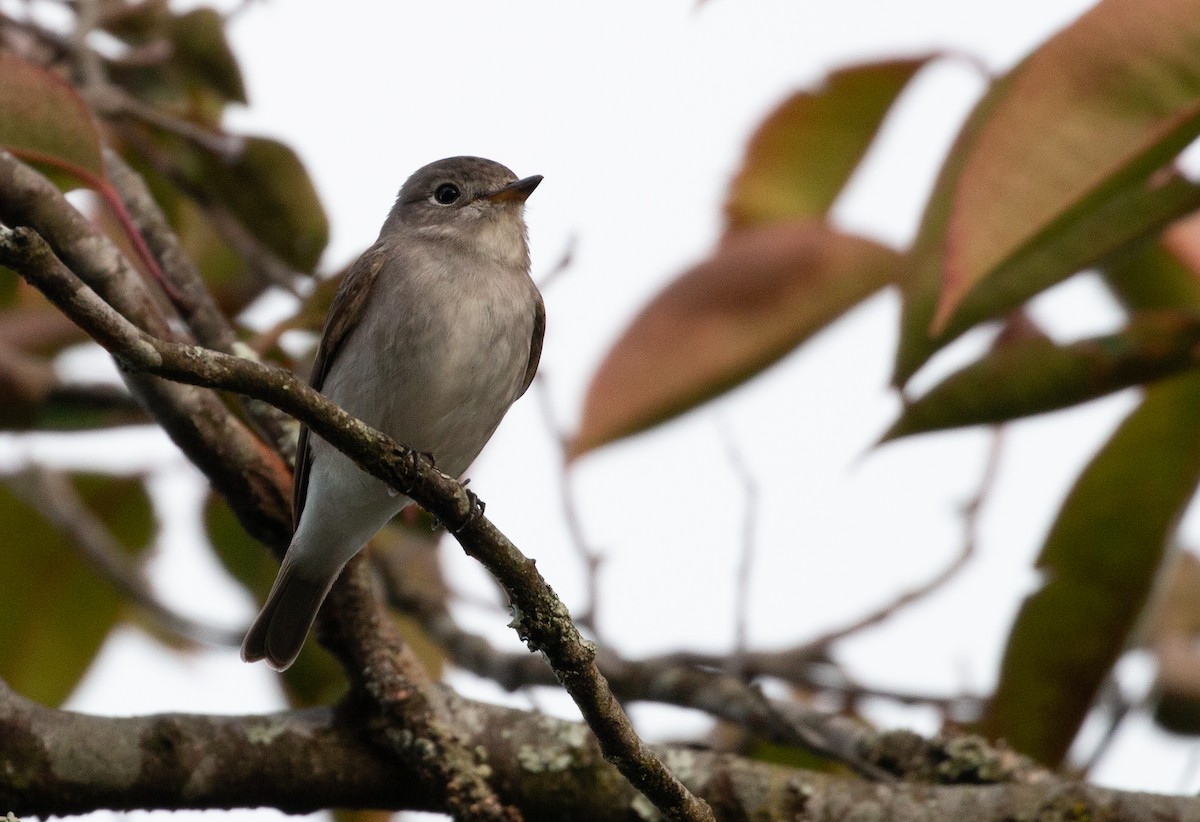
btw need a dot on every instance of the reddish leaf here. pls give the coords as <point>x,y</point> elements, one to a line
<point>800,157</point>
<point>1089,115</point>
<point>763,292</point>
<point>43,120</point>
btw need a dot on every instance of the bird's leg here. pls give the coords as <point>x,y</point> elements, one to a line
<point>417,457</point>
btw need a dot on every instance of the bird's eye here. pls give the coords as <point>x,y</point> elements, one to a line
<point>446,193</point>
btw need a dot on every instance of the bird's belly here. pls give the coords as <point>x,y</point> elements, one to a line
<point>445,391</point>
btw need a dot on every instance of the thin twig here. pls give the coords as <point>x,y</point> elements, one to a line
<point>565,260</point>
<point>87,61</point>
<point>971,511</point>
<point>250,475</point>
<point>540,618</point>
<point>720,695</point>
<point>741,628</point>
<point>113,101</point>
<point>51,494</point>
<point>1116,707</point>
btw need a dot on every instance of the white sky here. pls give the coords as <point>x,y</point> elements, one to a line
<point>636,114</point>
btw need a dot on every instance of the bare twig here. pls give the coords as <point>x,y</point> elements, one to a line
<point>971,510</point>
<point>540,618</point>
<point>723,696</point>
<point>1115,708</point>
<point>561,267</point>
<point>53,496</point>
<point>113,101</point>
<point>749,537</point>
<point>87,61</point>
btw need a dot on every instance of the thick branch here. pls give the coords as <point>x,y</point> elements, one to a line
<point>540,618</point>
<point>60,762</point>
<point>409,715</point>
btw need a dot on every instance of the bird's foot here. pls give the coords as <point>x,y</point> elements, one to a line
<point>477,508</point>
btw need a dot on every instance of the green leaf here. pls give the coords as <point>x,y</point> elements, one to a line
<point>763,292</point>
<point>800,157</point>
<point>1161,274</point>
<point>138,23</point>
<point>269,190</point>
<point>1099,561</point>
<point>195,77</point>
<point>44,121</point>
<point>203,53</point>
<point>1091,114</point>
<point>9,286</point>
<point>1036,375</point>
<point>57,612</point>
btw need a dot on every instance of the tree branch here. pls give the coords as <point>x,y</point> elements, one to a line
<point>251,476</point>
<point>198,309</point>
<point>411,717</point>
<point>301,761</point>
<point>51,494</point>
<point>540,618</point>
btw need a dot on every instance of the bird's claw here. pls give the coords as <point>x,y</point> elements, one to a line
<point>477,508</point>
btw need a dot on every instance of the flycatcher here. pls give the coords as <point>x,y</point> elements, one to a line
<point>434,332</point>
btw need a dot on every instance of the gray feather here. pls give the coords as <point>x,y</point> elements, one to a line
<point>435,331</point>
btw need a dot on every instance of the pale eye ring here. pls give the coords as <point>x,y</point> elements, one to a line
<point>446,193</point>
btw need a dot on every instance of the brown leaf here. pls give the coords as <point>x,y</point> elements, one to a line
<point>763,293</point>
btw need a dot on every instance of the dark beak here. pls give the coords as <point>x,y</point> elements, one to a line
<point>518,191</point>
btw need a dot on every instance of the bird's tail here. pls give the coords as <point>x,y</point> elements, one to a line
<point>279,630</point>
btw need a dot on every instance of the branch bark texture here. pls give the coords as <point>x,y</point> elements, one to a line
<point>300,761</point>
<point>540,618</point>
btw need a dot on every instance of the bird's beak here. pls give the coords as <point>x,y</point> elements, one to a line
<point>519,191</point>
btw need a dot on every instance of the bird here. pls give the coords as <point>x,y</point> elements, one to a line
<point>434,331</point>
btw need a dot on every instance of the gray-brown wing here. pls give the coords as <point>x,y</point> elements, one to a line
<point>344,314</point>
<point>535,345</point>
